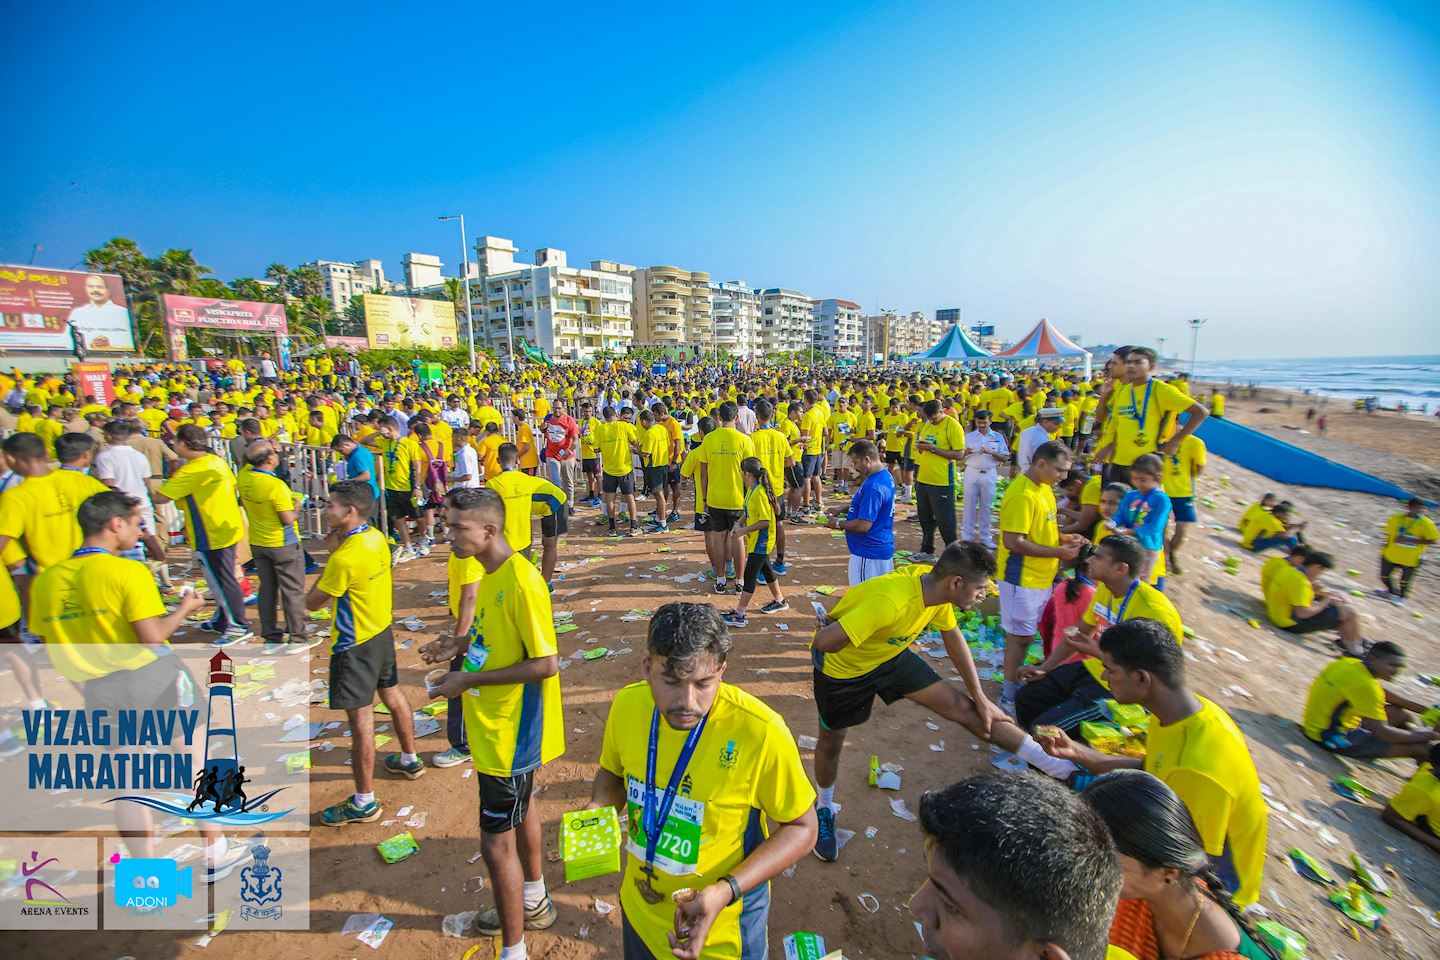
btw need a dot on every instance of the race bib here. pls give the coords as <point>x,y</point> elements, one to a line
<point>679,848</point>
<point>1104,616</point>
<point>475,657</point>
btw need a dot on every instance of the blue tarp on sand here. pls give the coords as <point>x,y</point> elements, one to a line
<point>1281,461</point>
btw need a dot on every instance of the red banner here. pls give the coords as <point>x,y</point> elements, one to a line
<point>245,316</point>
<point>94,380</point>
<point>43,309</point>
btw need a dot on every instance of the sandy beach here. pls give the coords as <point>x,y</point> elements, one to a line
<point>1258,674</point>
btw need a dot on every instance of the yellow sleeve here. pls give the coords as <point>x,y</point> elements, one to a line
<point>335,578</point>
<point>866,619</point>
<point>1420,797</point>
<point>1017,515</point>
<point>536,622</point>
<point>782,789</point>
<point>142,598</point>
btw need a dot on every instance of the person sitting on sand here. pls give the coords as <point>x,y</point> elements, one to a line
<point>1415,810</point>
<point>1349,713</point>
<point>1294,605</point>
<point>1252,512</point>
<point>1171,903</point>
<point>1273,529</point>
<point>1406,537</point>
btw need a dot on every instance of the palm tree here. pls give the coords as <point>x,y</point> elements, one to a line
<point>279,273</point>
<point>179,271</point>
<point>307,282</point>
<point>138,273</point>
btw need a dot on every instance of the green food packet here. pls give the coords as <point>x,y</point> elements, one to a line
<point>804,945</point>
<point>295,762</point>
<point>1309,868</point>
<point>565,628</point>
<point>595,653</point>
<point>1372,879</point>
<point>398,847</point>
<point>1359,905</point>
<point>590,843</point>
<point>1280,938</point>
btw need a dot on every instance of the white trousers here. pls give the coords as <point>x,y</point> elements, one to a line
<point>979,495</point>
<point>864,568</point>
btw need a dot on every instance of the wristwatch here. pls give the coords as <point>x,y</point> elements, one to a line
<point>735,891</point>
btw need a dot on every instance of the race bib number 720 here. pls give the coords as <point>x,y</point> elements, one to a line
<point>678,849</point>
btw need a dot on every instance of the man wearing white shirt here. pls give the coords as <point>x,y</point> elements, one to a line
<point>455,415</point>
<point>987,450</point>
<point>745,419</point>
<point>122,467</point>
<point>1047,426</point>
<point>268,369</point>
<point>467,463</point>
<point>102,321</point>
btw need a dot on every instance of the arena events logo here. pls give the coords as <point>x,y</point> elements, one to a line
<point>152,750</point>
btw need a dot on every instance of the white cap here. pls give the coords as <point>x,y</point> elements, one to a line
<point>1047,412</point>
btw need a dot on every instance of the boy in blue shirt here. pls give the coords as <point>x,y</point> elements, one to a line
<point>1144,512</point>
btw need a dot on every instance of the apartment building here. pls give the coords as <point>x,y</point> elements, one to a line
<point>784,321</point>
<point>346,281</point>
<point>837,328</point>
<point>899,334</point>
<point>735,312</point>
<point>571,313</point>
<point>672,308</point>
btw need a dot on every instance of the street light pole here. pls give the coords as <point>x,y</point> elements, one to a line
<point>465,279</point>
<point>1195,326</point>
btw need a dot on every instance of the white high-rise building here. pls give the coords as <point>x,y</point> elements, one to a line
<point>672,308</point>
<point>837,328</point>
<point>735,312</point>
<point>346,281</point>
<point>784,321</point>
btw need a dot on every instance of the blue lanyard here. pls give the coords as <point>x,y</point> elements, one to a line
<point>74,469</point>
<point>653,819</point>
<point>1139,415</point>
<point>1124,603</point>
<point>88,551</point>
<point>258,470</point>
<point>360,529</point>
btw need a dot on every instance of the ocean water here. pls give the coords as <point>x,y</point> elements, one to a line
<point>1414,380</point>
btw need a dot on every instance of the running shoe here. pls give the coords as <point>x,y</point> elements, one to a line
<point>233,635</point>
<point>346,811</point>
<point>922,557</point>
<point>780,569</point>
<point>827,846</point>
<point>734,619</point>
<point>450,758</point>
<point>775,606</point>
<point>423,548</point>
<point>235,854</point>
<point>541,917</point>
<point>674,517</point>
<point>208,626</point>
<point>410,771</point>
<point>720,585</point>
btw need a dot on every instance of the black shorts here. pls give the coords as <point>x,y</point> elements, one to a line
<point>504,801</point>
<point>399,505</point>
<point>847,703</point>
<point>610,483</point>
<point>156,686</point>
<point>673,478</point>
<point>812,465</point>
<point>656,477</point>
<point>793,480</point>
<point>590,466</point>
<point>1327,619</point>
<point>356,674</point>
<point>702,522</point>
<point>556,524</point>
<point>721,521</point>
<point>892,457</point>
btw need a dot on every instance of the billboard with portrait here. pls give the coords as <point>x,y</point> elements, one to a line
<point>409,322</point>
<point>40,308</point>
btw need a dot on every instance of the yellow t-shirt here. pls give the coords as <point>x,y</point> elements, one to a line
<point>722,452</point>
<point>1268,570</point>
<point>94,600</point>
<point>1028,508</point>
<point>1402,524</point>
<point>1420,797</point>
<point>656,444</point>
<point>589,434</point>
<point>614,441</point>
<point>1251,513</point>
<point>1136,416</point>
<point>745,769</point>
<point>520,491</point>
<point>204,491</point>
<point>689,468</point>
<point>39,514</point>
<point>264,495</point>
<point>523,436</point>
<point>1343,694</point>
<point>882,617</point>
<point>152,417</point>
<point>1178,477</point>
<point>936,470</point>
<point>357,575</point>
<point>512,728</point>
<point>461,572</point>
<point>840,428</point>
<point>759,506</point>
<point>1217,404</point>
<point>1090,493</point>
<point>49,431</point>
<point>1265,524</point>
<point>1145,602</point>
<point>1204,759</point>
<point>812,425</point>
<point>1288,588</point>
<point>772,450</point>
<point>399,459</point>
<point>489,450</point>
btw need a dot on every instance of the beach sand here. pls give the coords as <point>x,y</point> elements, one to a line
<point>1258,674</point>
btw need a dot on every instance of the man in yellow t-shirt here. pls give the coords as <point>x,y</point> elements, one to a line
<point>509,683</point>
<point>1139,411</point>
<point>1191,744</point>
<point>1031,548</point>
<point>721,453</point>
<point>773,450</point>
<point>1348,712</point>
<point>697,767</point>
<point>357,580</point>
<point>812,463</point>
<point>271,508</point>
<point>1065,694</point>
<point>590,426</point>
<point>402,493</point>
<point>1294,605</point>
<point>1272,529</point>
<point>1415,810</point>
<point>204,490</point>
<point>618,443</point>
<point>1407,535</point>
<point>525,496</point>
<point>39,514</point>
<point>840,430</point>
<point>1181,470</point>
<point>656,445</point>
<point>862,650</point>
<point>939,445</point>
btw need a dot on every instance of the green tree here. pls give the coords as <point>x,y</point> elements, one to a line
<point>143,286</point>
<point>306,282</point>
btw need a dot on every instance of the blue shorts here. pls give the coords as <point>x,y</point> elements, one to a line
<point>812,465</point>
<point>1184,508</point>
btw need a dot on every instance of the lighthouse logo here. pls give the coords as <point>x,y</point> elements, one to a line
<point>220,795</point>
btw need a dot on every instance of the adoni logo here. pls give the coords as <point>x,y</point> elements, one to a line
<point>145,885</point>
<point>219,786</point>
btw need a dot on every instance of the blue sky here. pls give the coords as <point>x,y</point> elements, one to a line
<point>1114,167</point>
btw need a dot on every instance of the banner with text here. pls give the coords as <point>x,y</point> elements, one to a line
<point>409,322</point>
<point>94,380</point>
<point>41,307</point>
<point>207,313</point>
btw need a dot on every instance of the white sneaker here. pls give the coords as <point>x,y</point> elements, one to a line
<point>402,555</point>
<point>452,757</point>
<point>422,549</point>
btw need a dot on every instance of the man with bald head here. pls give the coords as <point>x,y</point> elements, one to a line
<point>271,506</point>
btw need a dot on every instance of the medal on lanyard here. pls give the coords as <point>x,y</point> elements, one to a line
<point>653,815</point>
<point>1139,415</point>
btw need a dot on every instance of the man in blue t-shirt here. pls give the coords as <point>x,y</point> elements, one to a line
<point>869,522</point>
<point>359,464</point>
